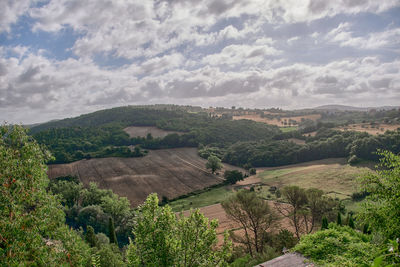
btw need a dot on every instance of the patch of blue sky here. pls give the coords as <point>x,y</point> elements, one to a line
<point>58,45</point>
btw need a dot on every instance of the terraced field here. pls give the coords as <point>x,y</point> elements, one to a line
<point>168,172</point>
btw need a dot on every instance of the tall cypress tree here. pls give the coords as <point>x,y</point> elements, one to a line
<point>90,237</point>
<point>111,231</point>
<point>339,219</point>
<point>324,223</point>
<point>351,222</point>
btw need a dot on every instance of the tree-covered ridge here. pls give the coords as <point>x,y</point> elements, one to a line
<point>168,119</point>
<point>327,143</point>
<point>100,134</point>
<point>76,143</point>
<point>242,142</point>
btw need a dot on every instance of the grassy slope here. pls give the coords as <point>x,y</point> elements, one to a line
<point>333,176</point>
<point>336,178</point>
<point>213,196</point>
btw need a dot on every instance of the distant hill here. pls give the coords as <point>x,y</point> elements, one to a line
<point>351,108</point>
<point>155,115</point>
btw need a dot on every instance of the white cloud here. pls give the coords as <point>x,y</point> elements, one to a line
<point>240,55</point>
<point>10,12</point>
<point>207,52</point>
<point>375,40</point>
<point>135,28</point>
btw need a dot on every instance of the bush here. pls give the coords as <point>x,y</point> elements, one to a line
<point>358,196</point>
<point>233,176</point>
<point>337,246</point>
<point>253,171</point>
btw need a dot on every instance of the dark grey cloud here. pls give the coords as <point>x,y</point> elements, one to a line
<point>28,75</point>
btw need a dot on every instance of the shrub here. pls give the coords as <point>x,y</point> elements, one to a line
<point>337,246</point>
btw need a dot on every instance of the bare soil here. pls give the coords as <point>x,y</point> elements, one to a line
<point>167,172</point>
<point>143,131</point>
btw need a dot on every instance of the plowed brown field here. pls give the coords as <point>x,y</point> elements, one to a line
<point>168,172</point>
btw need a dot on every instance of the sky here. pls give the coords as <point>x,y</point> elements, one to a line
<point>63,58</point>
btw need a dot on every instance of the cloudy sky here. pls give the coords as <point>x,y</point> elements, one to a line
<point>62,58</point>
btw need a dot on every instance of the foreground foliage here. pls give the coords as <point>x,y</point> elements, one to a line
<point>343,246</point>
<point>382,208</point>
<point>163,239</point>
<point>32,229</point>
<point>338,246</point>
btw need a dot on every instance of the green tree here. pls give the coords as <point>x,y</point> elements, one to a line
<point>306,208</point>
<point>111,232</point>
<point>233,176</point>
<point>213,163</point>
<point>117,207</point>
<point>381,209</point>
<point>69,191</point>
<point>90,236</point>
<point>163,239</point>
<point>351,222</point>
<point>32,229</point>
<point>324,223</point>
<point>339,219</point>
<point>254,215</point>
<point>297,200</point>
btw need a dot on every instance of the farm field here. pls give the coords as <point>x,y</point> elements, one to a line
<point>143,131</point>
<point>333,176</point>
<point>168,172</point>
<point>275,121</point>
<point>210,197</point>
<point>366,127</point>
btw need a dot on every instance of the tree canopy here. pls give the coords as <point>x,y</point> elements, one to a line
<point>163,239</point>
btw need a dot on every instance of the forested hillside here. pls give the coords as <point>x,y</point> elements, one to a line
<point>244,143</point>
<point>100,134</point>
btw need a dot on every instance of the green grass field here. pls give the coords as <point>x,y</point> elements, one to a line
<point>336,178</point>
<point>213,196</point>
<point>288,129</point>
